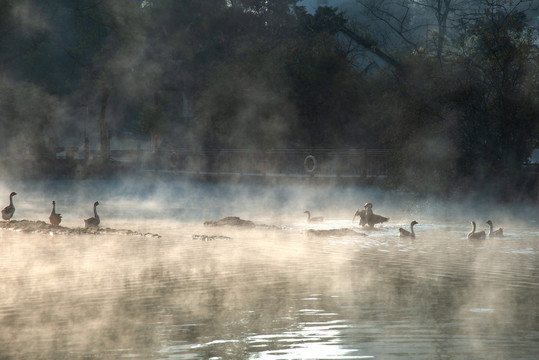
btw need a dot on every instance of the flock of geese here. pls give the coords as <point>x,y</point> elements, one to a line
<point>367,218</point>
<point>480,235</point>
<point>54,218</point>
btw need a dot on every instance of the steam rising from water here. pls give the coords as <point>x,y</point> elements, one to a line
<point>198,201</point>
<point>270,293</point>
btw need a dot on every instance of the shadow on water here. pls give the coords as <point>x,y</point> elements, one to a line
<point>263,293</point>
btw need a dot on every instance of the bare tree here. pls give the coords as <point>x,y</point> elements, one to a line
<point>397,15</point>
<point>441,9</point>
<point>411,19</point>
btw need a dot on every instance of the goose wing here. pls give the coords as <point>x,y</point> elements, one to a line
<point>8,212</point>
<point>377,219</point>
<point>362,217</point>
<point>404,232</point>
<point>55,219</point>
<point>497,233</point>
<point>91,222</point>
<point>477,235</point>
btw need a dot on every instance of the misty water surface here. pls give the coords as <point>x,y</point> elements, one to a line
<point>271,292</point>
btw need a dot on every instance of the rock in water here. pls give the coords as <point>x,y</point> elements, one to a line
<point>231,221</point>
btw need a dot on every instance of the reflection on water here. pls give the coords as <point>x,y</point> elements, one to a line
<point>269,293</point>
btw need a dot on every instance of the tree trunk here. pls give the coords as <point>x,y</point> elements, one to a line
<point>103,133</point>
<point>443,10</point>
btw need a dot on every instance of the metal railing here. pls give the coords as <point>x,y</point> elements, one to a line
<point>285,162</point>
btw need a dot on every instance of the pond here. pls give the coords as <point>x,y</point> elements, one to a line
<point>273,291</point>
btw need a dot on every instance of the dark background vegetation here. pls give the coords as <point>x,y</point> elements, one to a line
<point>451,86</point>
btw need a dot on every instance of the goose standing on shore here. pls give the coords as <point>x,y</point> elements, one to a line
<point>8,211</point>
<point>476,235</point>
<point>367,217</point>
<point>406,233</point>
<point>494,233</point>
<point>316,219</point>
<point>93,221</point>
<point>55,218</point>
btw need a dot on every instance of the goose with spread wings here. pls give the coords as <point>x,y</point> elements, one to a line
<point>368,217</point>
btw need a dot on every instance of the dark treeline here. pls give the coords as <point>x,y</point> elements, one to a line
<point>450,85</point>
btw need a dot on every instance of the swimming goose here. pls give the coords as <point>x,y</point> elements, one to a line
<point>495,233</point>
<point>476,235</point>
<point>93,221</point>
<point>316,219</point>
<point>406,233</point>
<point>9,210</point>
<point>368,217</point>
<point>55,218</point>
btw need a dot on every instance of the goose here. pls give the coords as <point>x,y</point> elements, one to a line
<point>55,218</point>
<point>9,210</point>
<point>494,233</point>
<point>362,216</point>
<point>316,219</point>
<point>406,233</point>
<point>93,221</point>
<point>476,235</point>
<point>367,217</point>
